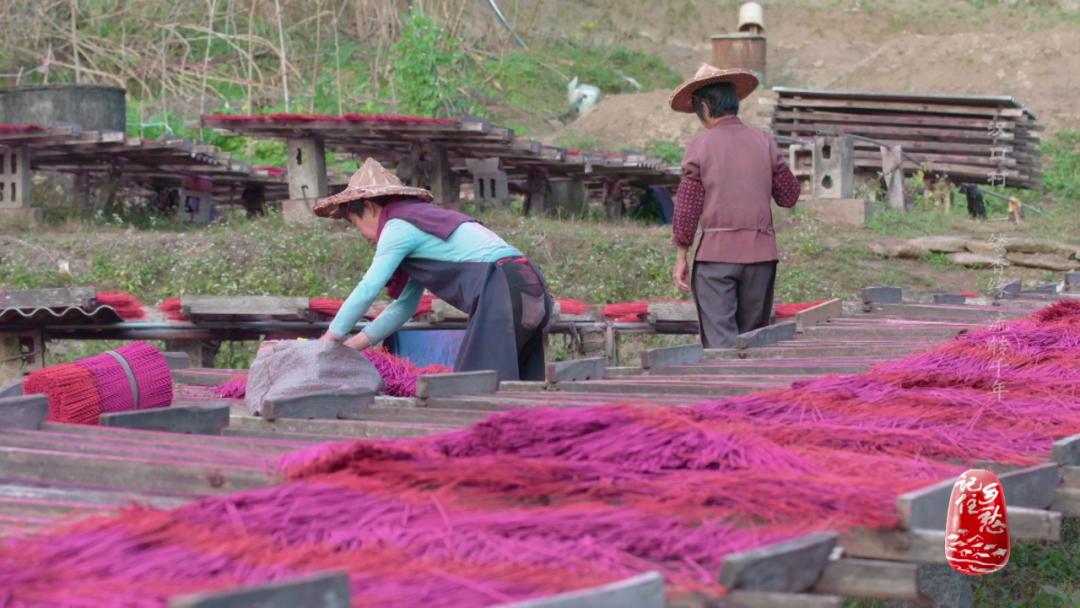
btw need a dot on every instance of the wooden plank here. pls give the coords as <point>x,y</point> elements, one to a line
<point>672,311</point>
<point>1067,502</point>
<point>919,546</point>
<point>201,376</point>
<point>946,313</point>
<point>882,295</point>
<point>228,307</point>
<point>819,314</point>
<point>522,386</point>
<point>644,591</point>
<point>25,412</point>
<point>343,404</point>
<point>855,577</point>
<point>462,383</point>
<point>927,508</point>
<point>137,474</point>
<point>209,419</point>
<point>741,598</point>
<point>824,116</point>
<point>789,566</point>
<point>284,427</point>
<point>764,336</point>
<point>442,311</point>
<point>1034,524</point>
<point>322,590</point>
<point>1010,289</point>
<point>672,355</point>
<point>68,297</point>
<point>1066,451</point>
<point>579,369</point>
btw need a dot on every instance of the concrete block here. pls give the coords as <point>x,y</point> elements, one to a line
<point>324,406</point>
<point>177,360</point>
<point>1072,281</point>
<point>1066,451</point>
<point>949,298</point>
<point>927,508</point>
<point>644,591</point>
<point>324,590</point>
<point>1010,289</point>
<point>790,566</point>
<point>24,412</point>
<point>840,211</point>
<point>208,419</point>
<point>672,355</point>
<point>770,334</point>
<point>882,295</point>
<point>450,385</point>
<point>12,389</point>
<point>579,369</point>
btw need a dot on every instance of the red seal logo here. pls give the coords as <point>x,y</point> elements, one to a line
<point>977,528</point>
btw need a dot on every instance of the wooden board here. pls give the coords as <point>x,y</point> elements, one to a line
<point>464,383</point>
<point>789,566</point>
<point>206,308</point>
<point>205,419</point>
<point>672,355</point>
<point>24,412</point>
<point>855,577</point>
<point>644,591</point>
<point>322,590</point>
<point>71,297</point>
<point>579,369</point>
<point>819,314</point>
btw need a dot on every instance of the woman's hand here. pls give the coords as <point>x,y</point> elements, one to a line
<point>681,273</point>
<point>360,341</point>
<point>329,337</point>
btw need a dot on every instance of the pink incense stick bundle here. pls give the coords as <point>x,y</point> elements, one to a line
<point>134,376</point>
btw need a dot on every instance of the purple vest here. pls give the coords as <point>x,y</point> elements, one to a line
<point>428,218</point>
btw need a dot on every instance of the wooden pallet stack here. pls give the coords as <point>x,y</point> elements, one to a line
<point>980,139</point>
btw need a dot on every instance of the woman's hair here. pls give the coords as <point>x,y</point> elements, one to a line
<point>357,207</point>
<point>720,98</point>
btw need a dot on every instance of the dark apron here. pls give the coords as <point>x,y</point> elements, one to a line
<point>509,312</point>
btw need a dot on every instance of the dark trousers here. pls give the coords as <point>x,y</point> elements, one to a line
<point>732,299</point>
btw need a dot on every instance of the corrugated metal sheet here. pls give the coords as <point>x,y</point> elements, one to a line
<point>102,315</point>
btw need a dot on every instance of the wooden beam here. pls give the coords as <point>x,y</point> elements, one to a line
<point>68,297</point>
<point>855,577</point>
<point>681,311</point>
<point>1067,501</point>
<point>231,307</point>
<point>462,383</point>
<point>177,360</point>
<point>789,566</point>
<point>24,412</point>
<point>919,546</point>
<point>770,599</point>
<point>208,419</point>
<point>11,389</point>
<point>644,591</point>
<point>1034,524</point>
<point>322,590</point>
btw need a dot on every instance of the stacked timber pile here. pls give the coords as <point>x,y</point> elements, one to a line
<point>979,253</point>
<point>982,139</point>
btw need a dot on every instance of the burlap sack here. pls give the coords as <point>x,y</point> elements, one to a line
<point>296,368</point>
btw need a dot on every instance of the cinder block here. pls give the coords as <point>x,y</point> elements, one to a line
<point>452,385</point>
<point>882,295</point>
<point>338,404</point>
<point>593,368</point>
<point>323,590</point>
<point>13,389</point>
<point>209,419</point>
<point>949,298</point>
<point>25,412</point>
<point>672,355</point>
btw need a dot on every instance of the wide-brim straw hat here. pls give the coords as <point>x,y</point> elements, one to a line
<point>371,180</point>
<point>745,82</point>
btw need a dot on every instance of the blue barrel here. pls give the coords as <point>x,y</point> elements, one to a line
<point>428,347</point>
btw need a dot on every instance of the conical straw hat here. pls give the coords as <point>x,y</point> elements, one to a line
<point>371,180</point>
<point>745,82</point>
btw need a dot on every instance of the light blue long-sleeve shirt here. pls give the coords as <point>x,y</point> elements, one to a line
<point>471,242</point>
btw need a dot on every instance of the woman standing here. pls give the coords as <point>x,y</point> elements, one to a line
<point>731,172</point>
<point>421,246</point>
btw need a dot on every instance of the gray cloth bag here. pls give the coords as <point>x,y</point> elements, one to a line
<point>287,369</point>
